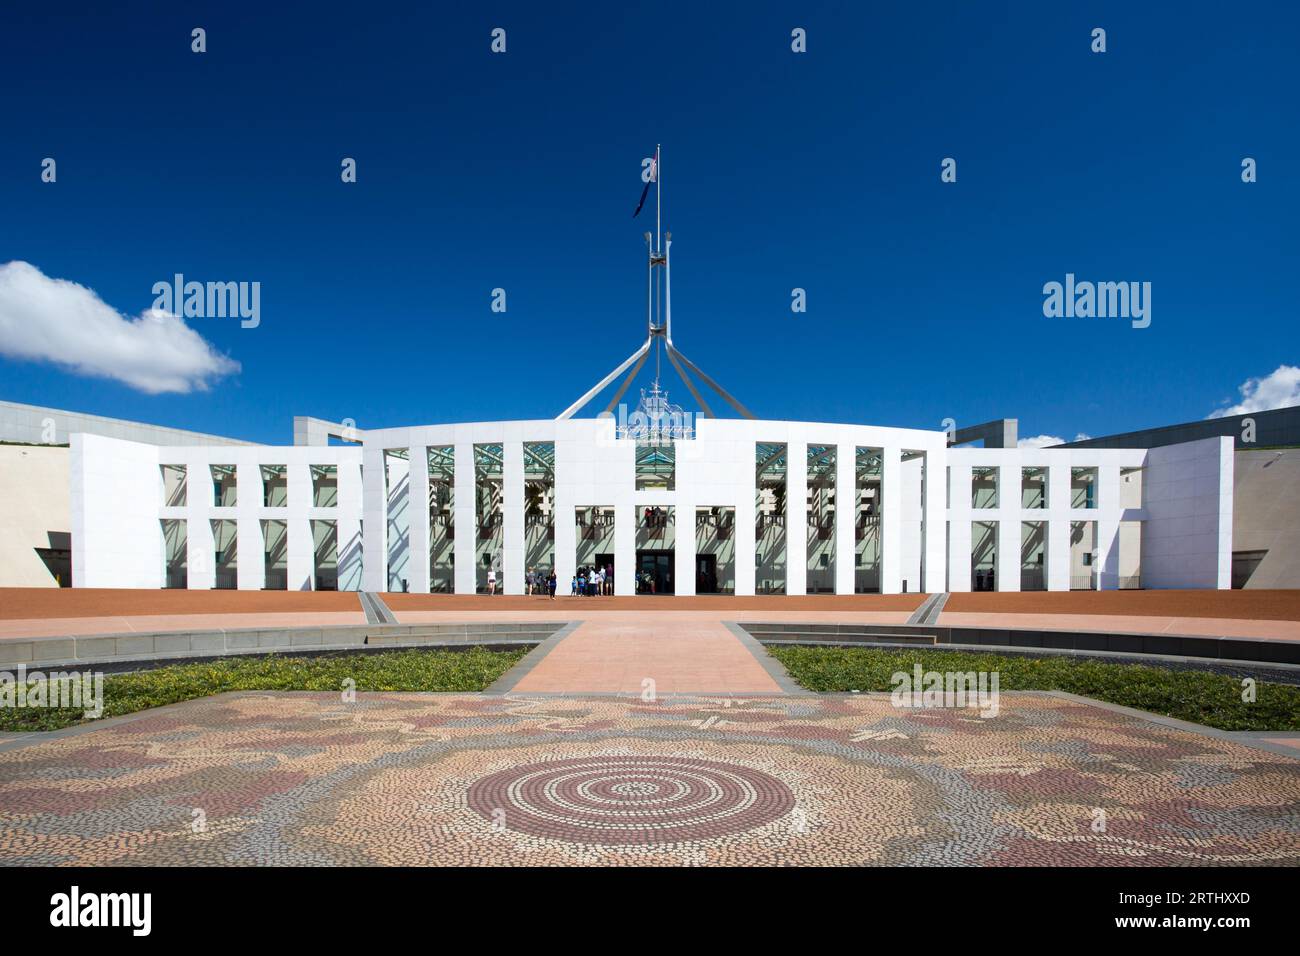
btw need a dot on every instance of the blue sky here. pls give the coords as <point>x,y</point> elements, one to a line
<point>520,171</point>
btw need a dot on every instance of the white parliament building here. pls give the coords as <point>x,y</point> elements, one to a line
<point>739,507</point>
<point>675,503</point>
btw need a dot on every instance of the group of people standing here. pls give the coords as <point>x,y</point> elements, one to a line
<point>539,582</point>
<point>591,581</point>
<point>647,583</point>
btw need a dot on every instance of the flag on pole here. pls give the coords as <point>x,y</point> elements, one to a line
<point>654,174</point>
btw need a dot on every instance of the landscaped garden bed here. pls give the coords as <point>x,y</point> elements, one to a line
<point>414,670</point>
<point>1215,700</point>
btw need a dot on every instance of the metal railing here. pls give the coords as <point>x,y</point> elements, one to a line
<point>1031,579</point>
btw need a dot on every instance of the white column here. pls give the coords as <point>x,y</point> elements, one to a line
<point>959,519</point>
<point>200,548</point>
<point>846,515</point>
<point>959,544</point>
<point>348,525</point>
<point>302,550</point>
<point>744,533</point>
<point>512,517</point>
<point>464,519</point>
<point>684,544</point>
<point>300,565</point>
<point>1107,561</point>
<point>1058,526</point>
<point>250,566</point>
<point>417,561</point>
<point>1008,554</point>
<point>1224,488</point>
<point>624,550</point>
<point>374,513</point>
<point>399,521</point>
<point>250,541</point>
<point>1108,511</point>
<point>934,575</point>
<point>1008,518</point>
<point>891,551</point>
<point>796,518</point>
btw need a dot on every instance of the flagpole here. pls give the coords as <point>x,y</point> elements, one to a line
<point>658,251</point>
<point>658,175</point>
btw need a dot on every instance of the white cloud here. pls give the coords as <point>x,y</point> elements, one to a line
<point>58,321</point>
<point>1281,389</point>
<point>1044,441</point>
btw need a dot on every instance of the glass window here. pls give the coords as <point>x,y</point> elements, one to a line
<point>324,486</point>
<point>224,486</point>
<point>1083,487</point>
<point>984,488</point>
<point>1033,487</point>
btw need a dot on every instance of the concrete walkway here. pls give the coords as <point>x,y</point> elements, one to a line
<point>1129,624</point>
<point>153,623</point>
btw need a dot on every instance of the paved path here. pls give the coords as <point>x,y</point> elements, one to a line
<point>417,779</point>
<point>622,652</point>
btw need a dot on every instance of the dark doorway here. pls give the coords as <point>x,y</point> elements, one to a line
<point>706,574</point>
<point>58,557</point>
<point>606,561</point>
<point>1244,564</point>
<point>654,572</point>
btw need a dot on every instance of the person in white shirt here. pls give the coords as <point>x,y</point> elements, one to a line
<point>492,581</point>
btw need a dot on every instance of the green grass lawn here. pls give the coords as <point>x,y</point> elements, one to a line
<point>414,670</point>
<point>1196,696</point>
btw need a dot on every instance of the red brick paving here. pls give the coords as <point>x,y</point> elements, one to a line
<point>621,652</point>
<point>31,603</point>
<point>703,602</point>
<point>1236,605</point>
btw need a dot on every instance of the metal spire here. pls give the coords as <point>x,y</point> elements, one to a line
<point>659,325</point>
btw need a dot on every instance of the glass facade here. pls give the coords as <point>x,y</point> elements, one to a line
<point>539,509</point>
<point>868,509</point>
<point>441,463</point>
<point>821,519</point>
<point>489,494</point>
<point>769,521</point>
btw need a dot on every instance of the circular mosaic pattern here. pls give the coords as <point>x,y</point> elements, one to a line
<point>621,801</point>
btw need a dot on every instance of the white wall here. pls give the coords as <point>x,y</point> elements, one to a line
<point>1058,514</point>
<point>117,504</point>
<point>1187,538</point>
<point>117,490</point>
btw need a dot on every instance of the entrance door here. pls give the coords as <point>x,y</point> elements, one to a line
<point>706,574</point>
<point>654,572</point>
<point>606,561</point>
